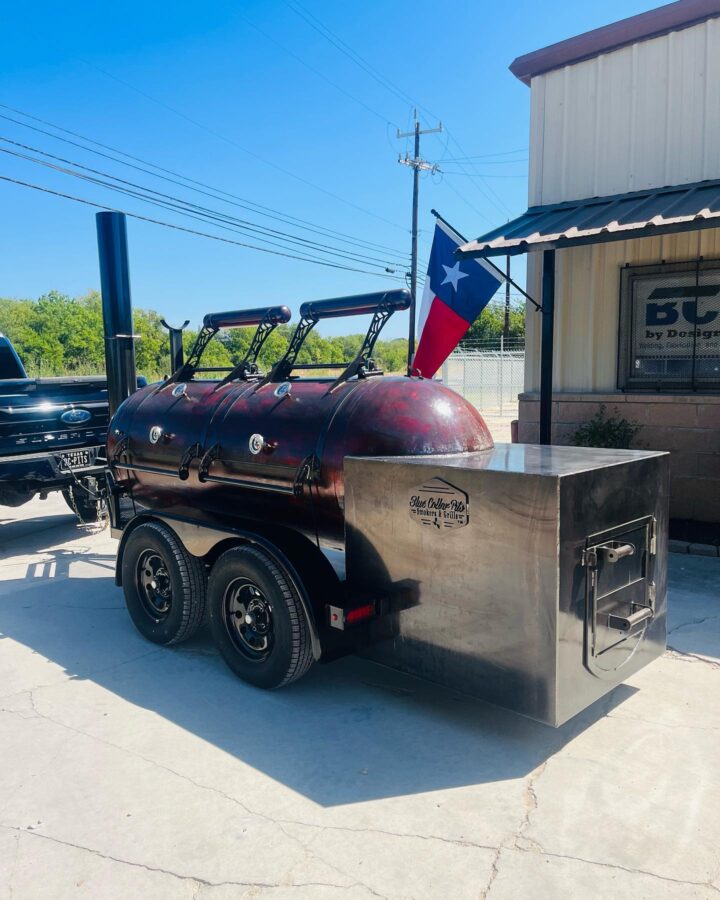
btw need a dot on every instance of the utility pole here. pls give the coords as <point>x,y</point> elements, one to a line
<point>417,165</point>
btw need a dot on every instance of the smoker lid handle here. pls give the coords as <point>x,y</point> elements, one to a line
<point>357,305</point>
<point>240,318</point>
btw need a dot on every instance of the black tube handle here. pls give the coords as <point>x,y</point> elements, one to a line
<point>240,318</point>
<point>357,305</point>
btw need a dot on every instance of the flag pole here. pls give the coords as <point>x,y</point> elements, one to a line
<point>488,262</point>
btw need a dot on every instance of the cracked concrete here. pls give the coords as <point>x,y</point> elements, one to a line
<point>128,770</point>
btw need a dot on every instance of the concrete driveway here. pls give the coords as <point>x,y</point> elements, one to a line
<point>128,770</point>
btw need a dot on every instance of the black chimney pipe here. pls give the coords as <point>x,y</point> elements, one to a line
<point>116,307</point>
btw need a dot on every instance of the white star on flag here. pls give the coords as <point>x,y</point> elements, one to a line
<point>453,275</point>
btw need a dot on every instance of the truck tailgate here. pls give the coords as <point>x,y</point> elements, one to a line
<point>50,414</point>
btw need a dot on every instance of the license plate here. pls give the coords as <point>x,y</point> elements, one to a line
<point>76,459</point>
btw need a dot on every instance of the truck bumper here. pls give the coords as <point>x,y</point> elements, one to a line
<point>30,473</point>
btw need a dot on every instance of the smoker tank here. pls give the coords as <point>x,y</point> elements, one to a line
<point>205,433</point>
<point>532,577</point>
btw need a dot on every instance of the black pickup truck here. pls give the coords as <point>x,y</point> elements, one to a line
<point>52,436</point>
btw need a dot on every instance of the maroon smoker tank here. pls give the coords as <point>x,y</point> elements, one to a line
<point>272,448</point>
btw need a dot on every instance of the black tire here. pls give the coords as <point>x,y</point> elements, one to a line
<point>276,648</point>
<point>84,505</point>
<point>165,587</point>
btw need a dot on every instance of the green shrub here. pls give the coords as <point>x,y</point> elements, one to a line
<point>602,430</point>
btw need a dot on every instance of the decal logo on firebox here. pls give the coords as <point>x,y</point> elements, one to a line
<point>438,504</point>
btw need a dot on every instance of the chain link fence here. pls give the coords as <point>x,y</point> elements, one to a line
<point>490,376</point>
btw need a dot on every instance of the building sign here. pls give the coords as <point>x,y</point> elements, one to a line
<point>672,325</point>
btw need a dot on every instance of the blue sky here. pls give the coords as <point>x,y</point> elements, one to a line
<point>194,87</point>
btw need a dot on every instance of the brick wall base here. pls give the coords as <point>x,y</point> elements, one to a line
<point>688,425</point>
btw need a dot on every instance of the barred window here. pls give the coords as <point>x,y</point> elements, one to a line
<point>670,327</point>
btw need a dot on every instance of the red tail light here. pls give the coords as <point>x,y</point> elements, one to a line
<point>359,613</point>
<point>341,618</point>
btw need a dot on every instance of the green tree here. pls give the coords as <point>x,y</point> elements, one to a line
<point>488,327</point>
<point>57,335</point>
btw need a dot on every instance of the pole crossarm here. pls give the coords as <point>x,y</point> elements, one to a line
<point>404,134</point>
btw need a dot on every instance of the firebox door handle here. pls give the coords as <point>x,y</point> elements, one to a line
<point>614,554</point>
<point>627,623</point>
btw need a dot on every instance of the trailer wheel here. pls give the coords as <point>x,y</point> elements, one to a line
<point>165,587</point>
<point>257,619</point>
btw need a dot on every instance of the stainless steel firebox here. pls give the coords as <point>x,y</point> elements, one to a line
<point>532,577</point>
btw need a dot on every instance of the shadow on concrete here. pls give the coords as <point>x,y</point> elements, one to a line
<point>694,607</point>
<point>348,732</point>
<point>64,526</point>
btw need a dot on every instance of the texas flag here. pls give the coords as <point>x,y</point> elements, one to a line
<point>455,294</point>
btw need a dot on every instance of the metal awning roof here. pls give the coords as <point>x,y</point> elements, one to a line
<point>595,220</point>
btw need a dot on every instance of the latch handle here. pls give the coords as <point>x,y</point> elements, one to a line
<point>613,554</point>
<point>627,623</point>
<point>193,452</point>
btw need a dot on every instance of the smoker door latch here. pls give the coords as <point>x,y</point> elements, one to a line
<point>615,551</point>
<point>193,452</point>
<point>589,558</point>
<point>612,551</point>
<point>627,623</point>
<point>307,472</point>
<point>207,460</point>
<point>122,446</point>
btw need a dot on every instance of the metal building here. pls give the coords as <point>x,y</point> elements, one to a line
<point>624,220</point>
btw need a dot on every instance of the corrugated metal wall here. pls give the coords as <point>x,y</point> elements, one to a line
<point>643,116</point>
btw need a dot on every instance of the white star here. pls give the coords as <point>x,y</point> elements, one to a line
<point>453,275</point>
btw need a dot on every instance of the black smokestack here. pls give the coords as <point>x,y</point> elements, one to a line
<point>116,307</point>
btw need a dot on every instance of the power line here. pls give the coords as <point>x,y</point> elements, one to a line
<point>233,143</point>
<point>243,203</point>
<point>314,22</point>
<point>489,193</point>
<point>485,162</point>
<point>315,71</point>
<point>367,67</point>
<point>455,191</point>
<point>479,174</point>
<point>244,223</point>
<point>322,29</point>
<point>194,211</point>
<point>468,203</point>
<point>213,237</point>
<point>492,155</point>
<point>486,194</point>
